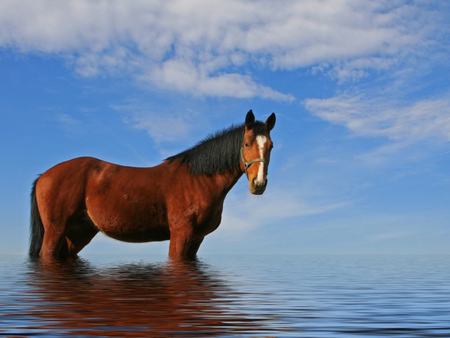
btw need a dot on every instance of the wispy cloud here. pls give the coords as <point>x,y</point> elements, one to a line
<point>162,127</point>
<point>402,124</point>
<point>204,47</point>
<point>244,212</point>
<point>67,120</point>
<point>70,124</point>
<point>186,77</point>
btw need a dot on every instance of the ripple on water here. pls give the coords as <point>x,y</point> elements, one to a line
<point>311,296</point>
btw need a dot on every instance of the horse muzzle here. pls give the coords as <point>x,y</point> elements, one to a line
<point>257,188</point>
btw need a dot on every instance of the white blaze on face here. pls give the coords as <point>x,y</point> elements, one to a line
<point>261,141</point>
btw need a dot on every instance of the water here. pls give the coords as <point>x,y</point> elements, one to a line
<point>262,296</point>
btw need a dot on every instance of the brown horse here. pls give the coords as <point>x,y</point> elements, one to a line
<point>181,199</point>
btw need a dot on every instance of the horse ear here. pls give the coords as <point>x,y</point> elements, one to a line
<point>249,119</point>
<point>270,122</point>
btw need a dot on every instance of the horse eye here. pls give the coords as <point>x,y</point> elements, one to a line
<point>246,144</point>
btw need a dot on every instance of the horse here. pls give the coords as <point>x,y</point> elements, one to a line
<point>180,200</point>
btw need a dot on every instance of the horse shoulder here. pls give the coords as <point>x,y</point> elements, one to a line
<point>193,201</point>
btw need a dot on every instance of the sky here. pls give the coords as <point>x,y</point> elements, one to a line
<point>361,89</point>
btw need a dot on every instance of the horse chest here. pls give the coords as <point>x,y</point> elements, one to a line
<point>209,220</point>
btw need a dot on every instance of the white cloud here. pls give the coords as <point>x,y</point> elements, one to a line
<point>202,46</point>
<point>244,212</point>
<point>179,75</point>
<point>402,124</point>
<point>407,123</point>
<point>67,120</point>
<point>160,126</point>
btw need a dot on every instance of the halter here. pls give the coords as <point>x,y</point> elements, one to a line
<point>249,163</point>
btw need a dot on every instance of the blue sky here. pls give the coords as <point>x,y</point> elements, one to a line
<point>361,91</point>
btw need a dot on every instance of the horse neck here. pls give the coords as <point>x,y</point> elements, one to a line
<point>222,182</point>
<point>226,181</point>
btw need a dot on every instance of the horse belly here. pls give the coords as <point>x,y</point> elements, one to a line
<point>147,234</point>
<point>131,224</point>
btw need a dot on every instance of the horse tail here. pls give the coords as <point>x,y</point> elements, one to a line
<point>36,226</point>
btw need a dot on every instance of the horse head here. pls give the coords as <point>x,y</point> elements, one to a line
<point>255,151</point>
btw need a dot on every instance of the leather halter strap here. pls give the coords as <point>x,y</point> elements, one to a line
<point>247,164</point>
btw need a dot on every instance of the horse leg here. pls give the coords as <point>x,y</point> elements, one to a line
<point>78,235</point>
<point>194,246</point>
<point>53,244</point>
<point>183,245</point>
<point>56,211</point>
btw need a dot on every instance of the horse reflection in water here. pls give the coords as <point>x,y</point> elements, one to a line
<point>135,300</point>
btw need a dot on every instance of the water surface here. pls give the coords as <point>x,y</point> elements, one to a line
<point>282,296</point>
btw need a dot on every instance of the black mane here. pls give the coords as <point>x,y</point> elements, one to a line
<point>218,153</point>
